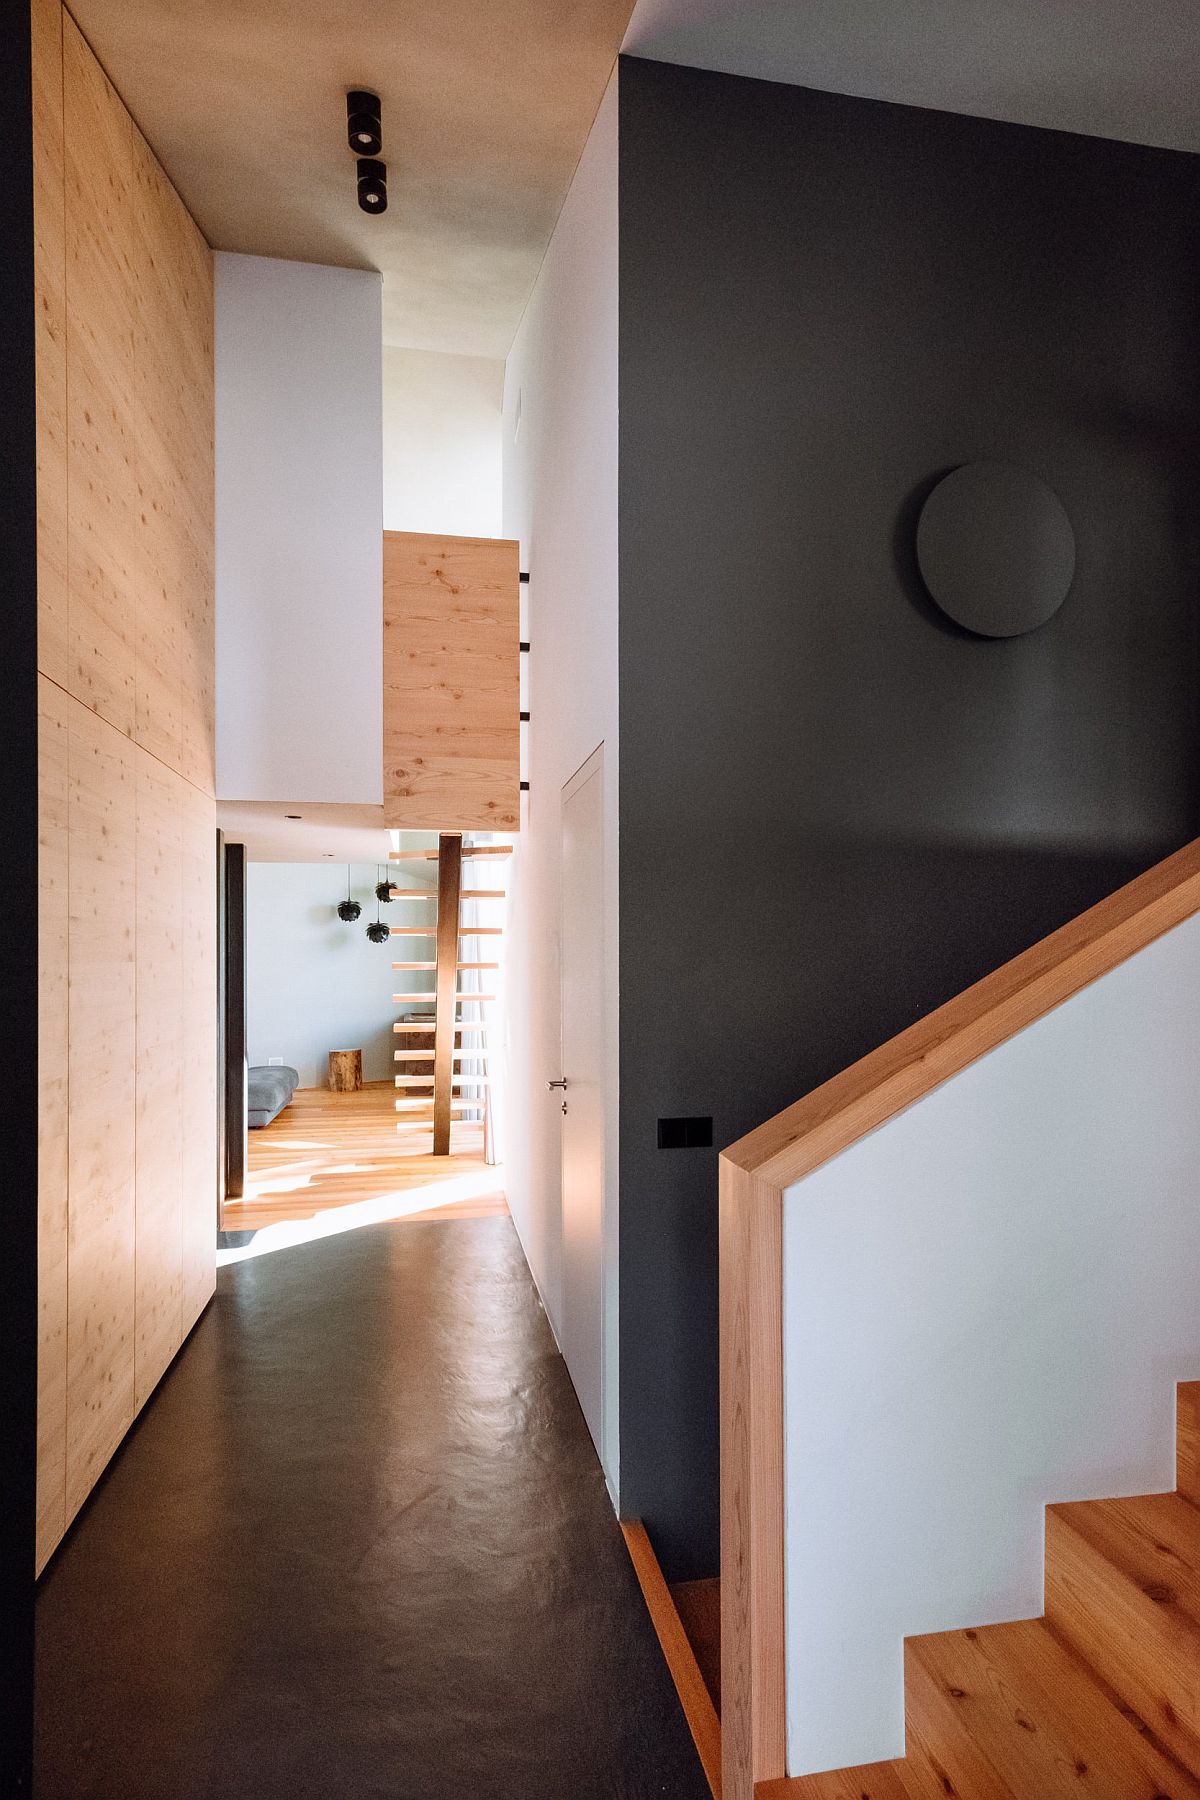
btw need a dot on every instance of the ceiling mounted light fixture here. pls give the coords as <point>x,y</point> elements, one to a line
<point>364,122</point>
<point>372,185</point>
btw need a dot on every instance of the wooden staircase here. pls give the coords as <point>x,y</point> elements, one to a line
<point>1099,1699</point>
<point>430,1101</point>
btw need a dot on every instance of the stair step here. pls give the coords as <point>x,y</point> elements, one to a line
<point>420,965</point>
<point>481,931</point>
<point>1187,1440</point>
<point>456,1081</point>
<point>423,1102</point>
<point>413,930</point>
<point>1007,1712</point>
<point>877,1781</point>
<point>429,893</point>
<point>1123,1589</point>
<point>416,1024</point>
<point>469,851</point>
<point>481,894</point>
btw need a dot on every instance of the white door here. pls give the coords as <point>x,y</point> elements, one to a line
<point>582,1100</point>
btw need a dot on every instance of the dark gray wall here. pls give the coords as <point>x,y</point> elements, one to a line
<point>836,808</point>
<point>18,942</point>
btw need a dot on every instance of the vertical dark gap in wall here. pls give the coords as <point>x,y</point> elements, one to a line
<point>837,808</point>
<point>222,1135</point>
<point>18,944</point>
<point>234,1022</point>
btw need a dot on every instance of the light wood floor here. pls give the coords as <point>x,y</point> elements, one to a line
<point>330,1151</point>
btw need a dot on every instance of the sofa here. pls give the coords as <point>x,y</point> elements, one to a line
<point>268,1089</point>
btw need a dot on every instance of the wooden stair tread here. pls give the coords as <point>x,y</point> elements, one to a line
<point>877,1781</point>
<point>1153,1539</point>
<point>1123,1590</point>
<point>468,851</point>
<point>1187,1440</point>
<point>458,1081</point>
<point>1007,1712</point>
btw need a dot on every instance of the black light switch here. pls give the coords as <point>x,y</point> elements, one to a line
<point>685,1134</point>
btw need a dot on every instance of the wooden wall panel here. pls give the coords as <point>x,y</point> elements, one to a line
<point>107,515</point>
<point>53,707</point>
<point>451,683</point>
<point>101,1096</point>
<point>158,1172</point>
<point>50,297</point>
<point>174,638</point>
<point>127,920</point>
<point>198,1067</point>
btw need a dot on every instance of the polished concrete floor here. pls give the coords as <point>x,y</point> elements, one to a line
<point>358,1545</point>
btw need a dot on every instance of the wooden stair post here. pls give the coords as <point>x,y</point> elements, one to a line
<point>449,891</point>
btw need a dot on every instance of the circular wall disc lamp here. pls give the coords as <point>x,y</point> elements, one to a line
<point>996,549</point>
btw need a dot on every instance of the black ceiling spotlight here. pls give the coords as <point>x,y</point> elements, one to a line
<point>364,122</point>
<point>372,185</point>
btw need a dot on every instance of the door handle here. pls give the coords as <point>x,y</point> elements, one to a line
<point>560,1083</point>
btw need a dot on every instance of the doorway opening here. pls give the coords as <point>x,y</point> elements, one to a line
<point>365,1027</point>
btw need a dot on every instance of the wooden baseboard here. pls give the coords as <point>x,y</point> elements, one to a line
<point>694,1696</point>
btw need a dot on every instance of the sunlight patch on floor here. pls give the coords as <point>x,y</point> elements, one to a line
<point>453,1191</point>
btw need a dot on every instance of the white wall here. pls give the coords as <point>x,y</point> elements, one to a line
<point>299,522</point>
<point>441,443</point>
<point>315,984</point>
<point>560,500</point>
<point>987,1305</point>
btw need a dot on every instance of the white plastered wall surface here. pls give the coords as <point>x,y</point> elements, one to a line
<point>560,500</point>
<point>987,1304</point>
<point>441,443</point>
<point>299,531</point>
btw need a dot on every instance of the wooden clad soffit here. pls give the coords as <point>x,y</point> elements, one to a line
<point>451,683</point>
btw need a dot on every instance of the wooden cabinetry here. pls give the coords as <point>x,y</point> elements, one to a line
<point>127,915</point>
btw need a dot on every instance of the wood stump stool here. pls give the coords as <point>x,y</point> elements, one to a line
<point>345,1071</point>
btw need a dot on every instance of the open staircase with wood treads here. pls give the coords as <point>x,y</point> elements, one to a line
<point>1099,1699</point>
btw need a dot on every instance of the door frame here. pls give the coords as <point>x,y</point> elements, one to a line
<point>590,769</point>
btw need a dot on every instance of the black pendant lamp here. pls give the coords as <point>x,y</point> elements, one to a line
<point>349,909</point>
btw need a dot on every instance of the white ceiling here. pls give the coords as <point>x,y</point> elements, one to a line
<point>487,105</point>
<point>1110,68</point>
<point>486,108</point>
<point>322,832</point>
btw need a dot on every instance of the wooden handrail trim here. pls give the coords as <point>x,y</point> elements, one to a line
<point>680,1658</point>
<point>900,1072</point>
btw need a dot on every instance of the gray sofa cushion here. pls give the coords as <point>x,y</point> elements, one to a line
<point>268,1090</point>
